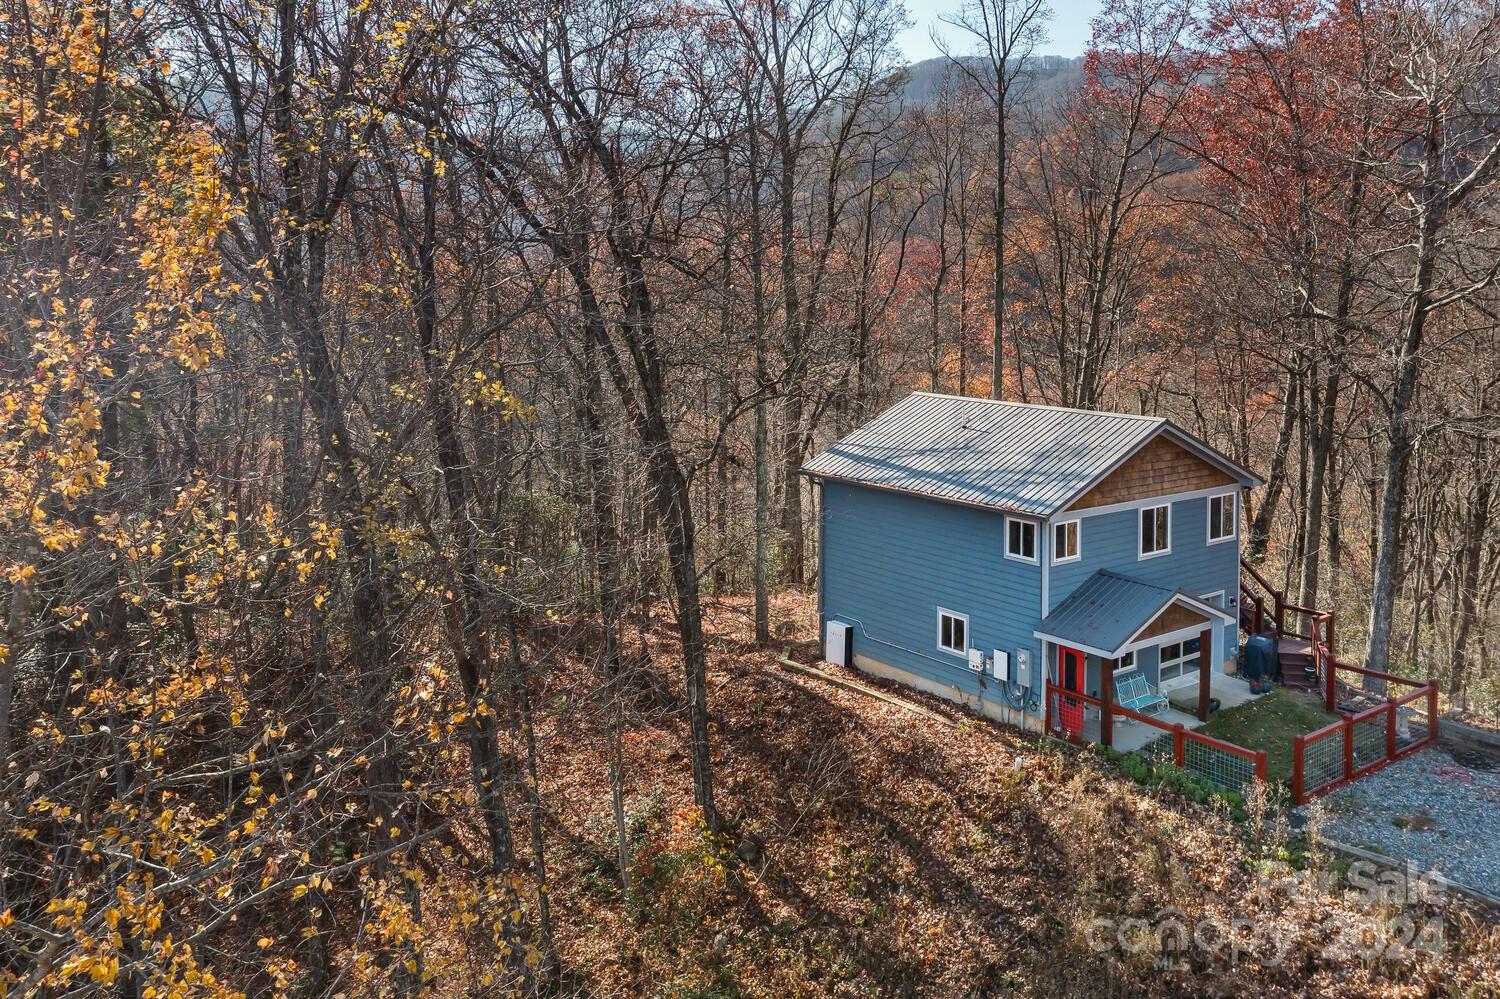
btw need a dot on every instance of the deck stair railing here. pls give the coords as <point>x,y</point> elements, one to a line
<point>1300,631</point>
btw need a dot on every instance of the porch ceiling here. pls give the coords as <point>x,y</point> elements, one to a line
<point>1108,613</point>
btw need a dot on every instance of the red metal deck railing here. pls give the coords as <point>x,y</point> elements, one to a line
<point>1223,764</point>
<point>1364,739</point>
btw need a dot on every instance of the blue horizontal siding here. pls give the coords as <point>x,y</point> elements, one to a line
<point>890,560</point>
<point>1111,541</point>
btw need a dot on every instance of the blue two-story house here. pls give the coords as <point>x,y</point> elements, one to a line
<point>973,548</point>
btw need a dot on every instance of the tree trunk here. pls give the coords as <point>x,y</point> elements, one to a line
<point>677,525</point>
<point>792,385</point>
<point>467,620</point>
<point>997,345</point>
<point>549,970</point>
<point>1476,526</point>
<point>1399,430</point>
<point>761,442</point>
<point>1260,527</point>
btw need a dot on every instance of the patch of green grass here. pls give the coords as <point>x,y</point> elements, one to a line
<point>1270,723</point>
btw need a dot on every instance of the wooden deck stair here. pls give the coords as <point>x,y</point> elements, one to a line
<point>1300,648</point>
<point>1296,656</point>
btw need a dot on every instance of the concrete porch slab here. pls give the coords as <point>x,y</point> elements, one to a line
<point>1131,735</point>
<point>1230,690</point>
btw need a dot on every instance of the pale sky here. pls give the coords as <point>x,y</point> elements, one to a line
<point>1068,30</point>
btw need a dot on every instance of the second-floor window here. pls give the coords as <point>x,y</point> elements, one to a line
<point>1221,519</point>
<point>1156,530</point>
<point>1020,539</point>
<point>1065,542</point>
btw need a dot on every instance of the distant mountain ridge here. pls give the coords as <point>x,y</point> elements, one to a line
<point>1048,74</point>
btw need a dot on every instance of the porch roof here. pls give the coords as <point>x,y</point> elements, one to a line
<point>1108,612</point>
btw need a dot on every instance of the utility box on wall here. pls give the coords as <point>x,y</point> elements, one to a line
<point>836,643</point>
<point>1023,667</point>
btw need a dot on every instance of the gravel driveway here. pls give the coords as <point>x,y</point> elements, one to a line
<point>1429,809</point>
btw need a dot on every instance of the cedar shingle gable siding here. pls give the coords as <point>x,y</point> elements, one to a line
<point>1173,619</point>
<point>1161,468</point>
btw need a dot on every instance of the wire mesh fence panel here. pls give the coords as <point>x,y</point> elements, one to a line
<point>1158,750</point>
<point>1369,740</point>
<point>1068,715</point>
<point>1221,768</point>
<point>1323,761</point>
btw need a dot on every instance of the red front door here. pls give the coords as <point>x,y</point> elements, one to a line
<point>1070,676</point>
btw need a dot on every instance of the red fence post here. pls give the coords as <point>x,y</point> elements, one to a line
<point>1179,744</point>
<point>1348,730</point>
<point>1107,702</point>
<point>1390,731</point>
<point>1299,748</point>
<point>1330,682</point>
<point>1331,652</point>
<point>1432,718</point>
<point>1260,765</point>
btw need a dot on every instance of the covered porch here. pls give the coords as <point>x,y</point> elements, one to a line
<point>1128,734</point>
<point>1092,643</point>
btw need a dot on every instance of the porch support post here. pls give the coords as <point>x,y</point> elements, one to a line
<point>1107,701</point>
<point>1205,670</point>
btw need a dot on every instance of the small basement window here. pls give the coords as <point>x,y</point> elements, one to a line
<point>1065,542</point>
<point>1020,539</point>
<point>953,633</point>
<point>1156,530</point>
<point>1221,518</point>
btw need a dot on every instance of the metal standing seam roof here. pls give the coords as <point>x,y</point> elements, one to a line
<point>1011,456</point>
<point>1107,609</point>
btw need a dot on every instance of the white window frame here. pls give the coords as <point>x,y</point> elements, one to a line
<point>1208,598</point>
<point>1077,541</point>
<point>1140,532</point>
<point>1234,522</point>
<point>961,653</point>
<point>1036,540</point>
<point>1125,662</point>
<point>1183,678</point>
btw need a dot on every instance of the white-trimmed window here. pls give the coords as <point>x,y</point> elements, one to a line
<point>1125,662</point>
<point>1066,538</point>
<point>1156,530</point>
<point>1020,539</point>
<point>1222,519</point>
<point>1178,659</point>
<point>953,633</point>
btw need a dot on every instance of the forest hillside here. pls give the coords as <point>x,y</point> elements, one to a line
<point>403,413</point>
<point>875,851</point>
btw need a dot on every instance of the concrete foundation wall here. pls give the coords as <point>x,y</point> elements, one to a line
<point>983,705</point>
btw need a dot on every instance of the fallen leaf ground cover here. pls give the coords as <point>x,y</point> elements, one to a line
<point>876,852</point>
